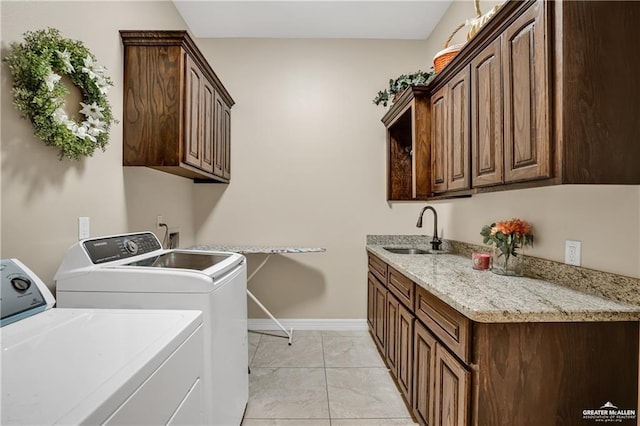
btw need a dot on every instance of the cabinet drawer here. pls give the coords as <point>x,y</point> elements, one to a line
<point>450,326</point>
<point>402,287</point>
<point>379,268</point>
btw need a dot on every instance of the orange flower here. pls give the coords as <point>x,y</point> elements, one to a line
<point>514,226</point>
<point>508,235</point>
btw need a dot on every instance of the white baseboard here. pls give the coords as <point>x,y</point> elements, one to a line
<point>309,324</point>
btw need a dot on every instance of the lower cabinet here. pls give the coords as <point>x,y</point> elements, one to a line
<point>451,392</point>
<point>380,301</point>
<point>404,375</point>
<point>441,383</point>
<point>399,343</point>
<point>391,344</point>
<point>431,378</point>
<point>529,373</point>
<point>371,301</point>
<point>424,365</point>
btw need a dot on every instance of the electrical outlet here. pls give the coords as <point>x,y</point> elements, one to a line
<point>572,252</point>
<point>174,240</point>
<point>84,228</point>
<point>159,220</point>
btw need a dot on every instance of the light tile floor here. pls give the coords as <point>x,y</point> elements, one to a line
<point>326,378</point>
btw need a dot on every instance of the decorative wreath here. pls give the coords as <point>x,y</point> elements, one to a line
<point>37,66</point>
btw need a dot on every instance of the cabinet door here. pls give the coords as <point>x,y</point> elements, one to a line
<point>451,390</point>
<point>487,117</point>
<point>526,98</point>
<point>381,301</point>
<point>438,140</point>
<point>405,351</point>
<point>193,102</point>
<point>226,169</point>
<point>208,126</point>
<point>424,358</point>
<point>371,301</point>
<point>218,152</point>
<point>391,342</point>
<point>458,132</point>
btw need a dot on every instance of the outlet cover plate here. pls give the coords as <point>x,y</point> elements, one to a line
<point>572,252</point>
<point>84,228</point>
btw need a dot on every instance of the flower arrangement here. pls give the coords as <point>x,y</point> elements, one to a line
<point>37,66</point>
<point>508,236</point>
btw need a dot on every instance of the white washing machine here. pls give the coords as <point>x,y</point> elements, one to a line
<point>134,271</point>
<point>88,366</point>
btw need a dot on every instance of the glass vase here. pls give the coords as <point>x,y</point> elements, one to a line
<point>508,263</point>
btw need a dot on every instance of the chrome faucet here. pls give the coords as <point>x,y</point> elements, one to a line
<point>435,241</point>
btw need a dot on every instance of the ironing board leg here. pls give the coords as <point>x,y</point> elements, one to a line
<point>289,333</point>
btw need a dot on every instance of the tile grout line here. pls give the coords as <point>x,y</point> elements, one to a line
<point>326,382</point>
<point>256,351</point>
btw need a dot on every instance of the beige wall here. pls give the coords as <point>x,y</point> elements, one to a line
<point>43,197</point>
<point>309,169</point>
<point>308,158</point>
<point>308,166</point>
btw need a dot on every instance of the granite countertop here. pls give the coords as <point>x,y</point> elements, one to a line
<point>259,249</point>
<point>483,296</point>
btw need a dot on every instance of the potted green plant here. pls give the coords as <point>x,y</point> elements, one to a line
<point>400,84</point>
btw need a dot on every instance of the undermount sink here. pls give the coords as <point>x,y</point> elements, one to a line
<point>412,250</point>
<point>405,250</point>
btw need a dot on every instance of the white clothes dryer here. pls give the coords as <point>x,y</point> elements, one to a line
<point>134,271</point>
<point>87,366</point>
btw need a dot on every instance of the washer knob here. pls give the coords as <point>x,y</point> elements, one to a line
<point>21,284</point>
<point>131,246</point>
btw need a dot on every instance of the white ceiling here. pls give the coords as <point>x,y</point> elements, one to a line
<point>312,19</point>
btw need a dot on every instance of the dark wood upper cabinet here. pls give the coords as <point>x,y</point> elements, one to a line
<point>450,136</point>
<point>408,124</point>
<point>596,102</point>
<point>541,95</point>
<point>458,133</point>
<point>439,103</point>
<point>510,105</point>
<point>226,168</point>
<point>487,117</point>
<point>208,123</point>
<point>176,110</point>
<point>219,152</point>
<point>526,97</point>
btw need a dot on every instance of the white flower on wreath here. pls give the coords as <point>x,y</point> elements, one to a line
<point>95,126</point>
<point>60,116</point>
<point>92,110</point>
<point>94,70</point>
<point>71,125</point>
<point>103,85</point>
<point>88,67</point>
<point>65,57</point>
<point>51,80</point>
<point>82,132</point>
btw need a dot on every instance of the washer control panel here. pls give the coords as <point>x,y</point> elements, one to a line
<point>22,292</point>
<point>108,249</point>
